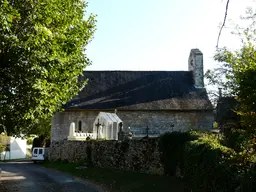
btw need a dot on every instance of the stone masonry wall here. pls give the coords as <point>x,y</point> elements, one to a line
<point>136,155</point>
<point>161,121</point>
<point>167,121</point>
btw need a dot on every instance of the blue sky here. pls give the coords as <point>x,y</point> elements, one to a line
<point>158,34</point>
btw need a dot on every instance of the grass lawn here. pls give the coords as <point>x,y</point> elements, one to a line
<point>122,181</point>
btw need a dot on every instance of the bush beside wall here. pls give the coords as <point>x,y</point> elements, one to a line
<point>206,165</point>
<point>171,146</point>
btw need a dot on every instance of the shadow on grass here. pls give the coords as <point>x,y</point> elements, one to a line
<point>121,181</point>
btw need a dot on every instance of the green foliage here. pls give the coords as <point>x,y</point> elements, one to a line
<point>42,54</point>
<point>215,125</point>
<point>41,127</point>
<point>237,72</point>
<point>2,147</point>
<point>206,167</point>
<point>30,140</point>
<point>171,145</point>
<point>244,72</point>
<point>237,139</point>
<point>207,164</point>
<point>249,181</point>
<point>220,77</point>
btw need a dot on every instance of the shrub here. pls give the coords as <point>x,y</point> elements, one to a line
<point>237,139</point>
<point>2,148</point>
<point>208,161</point>
<point>215,125</point>
<point>29,140</point>
<point>245,162</point>
<point>171,146</point>
<point>207,165</point>
<point>248,182</point>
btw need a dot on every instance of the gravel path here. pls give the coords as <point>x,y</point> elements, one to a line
<point>28,177</point>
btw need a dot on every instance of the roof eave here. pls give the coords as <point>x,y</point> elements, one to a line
<point>173,110</point>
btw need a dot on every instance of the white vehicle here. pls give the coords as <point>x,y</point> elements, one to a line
<point>39,154</point>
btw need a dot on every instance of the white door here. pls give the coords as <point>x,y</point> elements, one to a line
<point>38,154</point>
<point>35,153</point>
<point>41,154</point>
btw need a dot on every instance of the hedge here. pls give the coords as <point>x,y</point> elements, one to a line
<point>171,146</point>
<point>206,164</point>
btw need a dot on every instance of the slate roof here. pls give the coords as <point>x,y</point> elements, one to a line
<point>140,90</point>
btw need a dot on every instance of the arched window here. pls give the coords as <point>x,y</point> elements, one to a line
<point>80,126</point>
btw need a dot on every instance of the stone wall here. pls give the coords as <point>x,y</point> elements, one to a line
<point>136,155</point>
<point>167,121</point>
<point>161,121</point>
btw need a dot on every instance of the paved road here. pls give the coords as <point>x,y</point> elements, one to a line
<point>28,177</point>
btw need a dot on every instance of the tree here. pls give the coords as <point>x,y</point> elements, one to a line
<point>42,54</point>
<point>239,70</point>
<point>42,128</point>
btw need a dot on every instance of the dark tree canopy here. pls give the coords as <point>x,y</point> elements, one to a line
<point>42,53</point>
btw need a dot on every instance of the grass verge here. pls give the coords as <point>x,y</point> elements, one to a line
<point>121,181</point>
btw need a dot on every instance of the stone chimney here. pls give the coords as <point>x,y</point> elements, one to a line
<point>195,64</point>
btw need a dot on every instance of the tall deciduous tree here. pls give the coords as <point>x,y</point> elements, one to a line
<point>239,70</point>
<point>42,53</point>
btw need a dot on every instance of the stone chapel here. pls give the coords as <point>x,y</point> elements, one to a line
<point>160,101</point>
